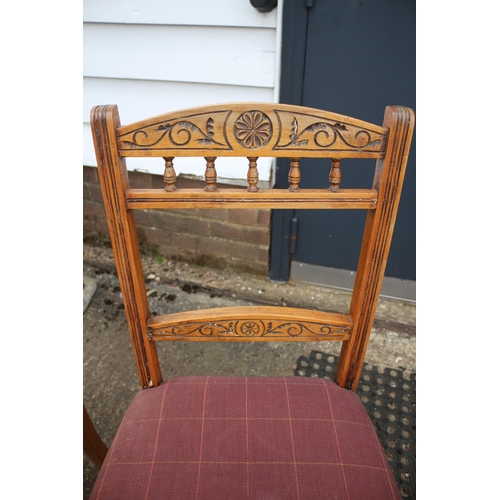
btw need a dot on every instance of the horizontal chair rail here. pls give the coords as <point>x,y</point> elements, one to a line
<point>240,198</point>
<point>199,153</point>
<point>251,323</point>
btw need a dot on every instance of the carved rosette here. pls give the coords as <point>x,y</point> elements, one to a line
<point>253,129</point>
<point>252,328</point>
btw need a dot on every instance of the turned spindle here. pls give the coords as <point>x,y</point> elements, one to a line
<point>294,175</point>
<point>335,175</point>
<point>210,174</point>
<point>169,176</point>
<point>253,175</point>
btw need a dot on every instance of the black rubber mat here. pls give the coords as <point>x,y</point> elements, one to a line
<point>390,401</point>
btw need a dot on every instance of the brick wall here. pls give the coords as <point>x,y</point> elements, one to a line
<point>229,237</point>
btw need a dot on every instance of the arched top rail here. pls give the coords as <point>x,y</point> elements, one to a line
<point>252,129</point>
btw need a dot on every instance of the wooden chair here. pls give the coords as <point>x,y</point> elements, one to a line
<point>249,437</point>
<point>93,445</point>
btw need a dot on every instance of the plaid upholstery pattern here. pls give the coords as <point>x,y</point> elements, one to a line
<point>209,438</point>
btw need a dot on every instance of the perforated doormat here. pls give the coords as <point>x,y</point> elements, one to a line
<point>390,401</point>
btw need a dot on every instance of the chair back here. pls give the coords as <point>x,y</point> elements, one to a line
<point>252,131</point>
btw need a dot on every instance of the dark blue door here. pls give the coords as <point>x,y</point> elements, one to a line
<point>354,58</point>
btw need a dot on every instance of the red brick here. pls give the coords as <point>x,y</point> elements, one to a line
<point>102,227</point>
<point>263,217</point>
<point>190,212</point>
<point>86,192</point>
<point>222,186</point>
<point>184,182</point>
<point>185,241</point>
<point>95,193</point>
<point>238,232</point>
<point>242,216</point>
<point>93,209</point>
<point>189,183</point>
<point>213,213</point>
<point>156,236</point>
<point>226,231</point>
<point>139,180</point>
<point>144,218</point>
<point>261,236</point>
<point>157,182</point>
<point>244,251</point>
<point>180,223</point>
<point>90,175</point>
<point>213,246</point>
<point>262,255</point>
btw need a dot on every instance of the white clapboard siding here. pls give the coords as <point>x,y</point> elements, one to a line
<point>218,55</point>
<point>138,99</point>
<point>189,13</point>
<point>151,57</point>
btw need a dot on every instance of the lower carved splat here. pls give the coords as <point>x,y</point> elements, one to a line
<point>249,328</point>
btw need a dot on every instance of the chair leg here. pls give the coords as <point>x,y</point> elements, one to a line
<point>93,445</point>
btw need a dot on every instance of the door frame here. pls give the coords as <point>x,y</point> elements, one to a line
<point>293,55</point>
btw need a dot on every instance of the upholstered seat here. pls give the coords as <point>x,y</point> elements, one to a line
<point>249,438</point>
<point>246,437</point>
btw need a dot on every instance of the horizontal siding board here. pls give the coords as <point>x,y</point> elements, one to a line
<point>186,12</point>
<point>217,55</point>
<point>138,99</point>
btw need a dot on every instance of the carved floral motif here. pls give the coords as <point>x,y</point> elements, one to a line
<point>196,131</point>
<point>326,134</point>
<point>184,131</point>
<point>253,129</point>
<point>309,132</point>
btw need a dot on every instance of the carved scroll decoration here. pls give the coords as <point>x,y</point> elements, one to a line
<point>314,132</point>
<point>251,328</point>
<point>193,132</point>
<point>252,130</point>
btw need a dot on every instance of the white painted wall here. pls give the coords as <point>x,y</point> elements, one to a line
<point>150,57</point>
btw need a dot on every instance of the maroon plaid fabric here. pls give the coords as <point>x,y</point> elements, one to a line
<point>246,438</point>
